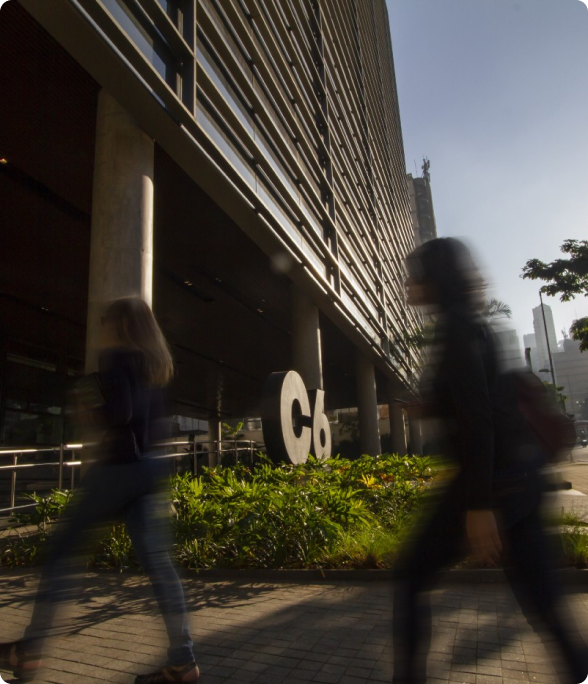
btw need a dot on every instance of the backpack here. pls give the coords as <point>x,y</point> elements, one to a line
<point>553,431</point>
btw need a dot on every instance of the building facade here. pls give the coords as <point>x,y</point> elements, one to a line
<point>509,352</point>
<point>544,342</point>
<point>239,164</point>
<point>571,373</point>
<point>530,343</point>
<point>421,205</point>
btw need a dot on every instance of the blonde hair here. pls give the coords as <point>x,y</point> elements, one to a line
<point>135,327</point>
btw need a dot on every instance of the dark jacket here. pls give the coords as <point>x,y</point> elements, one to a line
<point>484,432</point>
<point>133,412</point>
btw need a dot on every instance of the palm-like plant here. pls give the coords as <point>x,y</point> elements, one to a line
<point>494,308</point>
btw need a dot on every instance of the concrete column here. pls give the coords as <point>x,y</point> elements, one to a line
<point>306,340</point>
<point>397,428</point>
<point>214,438</point>
<point>416,437</point>
<point>121,247</point>
<point>367,404</point>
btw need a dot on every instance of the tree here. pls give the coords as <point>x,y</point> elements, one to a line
<point>566,278</point>
<point>494,308</point>
<point>423,337</point>
<point>579,332</point>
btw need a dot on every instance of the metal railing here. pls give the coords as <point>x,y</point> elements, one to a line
<point>215,450</point>
<point>212,450</point>
<point>15,467</point>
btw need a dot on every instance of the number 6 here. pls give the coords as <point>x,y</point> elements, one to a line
<point>290,429</point>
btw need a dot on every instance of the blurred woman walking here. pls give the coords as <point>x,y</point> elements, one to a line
<point>494,499</point>
<point>126,480</point>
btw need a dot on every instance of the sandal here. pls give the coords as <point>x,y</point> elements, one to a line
<point>24,664</point>
<point>188,673</point>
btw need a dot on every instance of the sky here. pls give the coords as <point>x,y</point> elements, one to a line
<point>495,94</point>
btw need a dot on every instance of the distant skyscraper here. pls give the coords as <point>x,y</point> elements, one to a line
<point>421,206</point>
<point>541,340</point>
<point>508,346</point>
<point>530,342</point>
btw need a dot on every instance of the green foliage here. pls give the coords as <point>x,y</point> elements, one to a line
<point>114,550</point>
<point>232,431</point>
<point>266,516</point>
<point>494,308</point>
<point>570,518</point>
<point>574,537</point>
<point>556,395</point>
<point>25,544</point>
<point>573,534</point>
<point>424,336</point>
<point>22,549</point>
<point>335,513</point>
<point>371,548</point>
<point>289,516</point>
<point>47,509</point>
<point>566,278</point>
<point>579,332</point>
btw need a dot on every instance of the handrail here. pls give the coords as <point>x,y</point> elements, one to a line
<point>38,465</point>
<point>5,452</point>
<point>218,448</point>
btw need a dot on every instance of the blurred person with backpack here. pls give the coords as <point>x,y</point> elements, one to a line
<point>489,422</point>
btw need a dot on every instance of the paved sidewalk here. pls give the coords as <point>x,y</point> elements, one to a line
<point>335,633</point>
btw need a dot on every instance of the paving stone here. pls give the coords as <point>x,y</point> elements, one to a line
<point>513,657</point>
<point>519,675</point>
<point>542,677</point>
<point>486,679</point>
<point>341,660</point>
<point>327,677</point>
<point>293,633</point>
<point>305,667</point>
<point>483,669</point>
<point>332,669</point>
<point>540,664</point>
<point>462,677</point>
<point>354,671</point>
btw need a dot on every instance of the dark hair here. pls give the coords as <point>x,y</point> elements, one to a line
<point>447,265</point>
<point>135,327</point>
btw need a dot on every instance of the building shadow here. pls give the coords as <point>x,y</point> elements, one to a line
<point>268,632</point>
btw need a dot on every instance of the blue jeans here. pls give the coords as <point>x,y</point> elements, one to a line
<point>133,491</point>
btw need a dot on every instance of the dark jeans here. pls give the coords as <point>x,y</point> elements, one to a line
<point>134,492</point>
<point>440,542</point>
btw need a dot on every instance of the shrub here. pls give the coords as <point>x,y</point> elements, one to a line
<point>574,537</point>
<point>319,513</point>
<point>24,546</point>
<point>371,548</point>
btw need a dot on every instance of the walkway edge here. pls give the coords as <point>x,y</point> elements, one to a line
<point>568,576</point>
<point>572,577</point>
